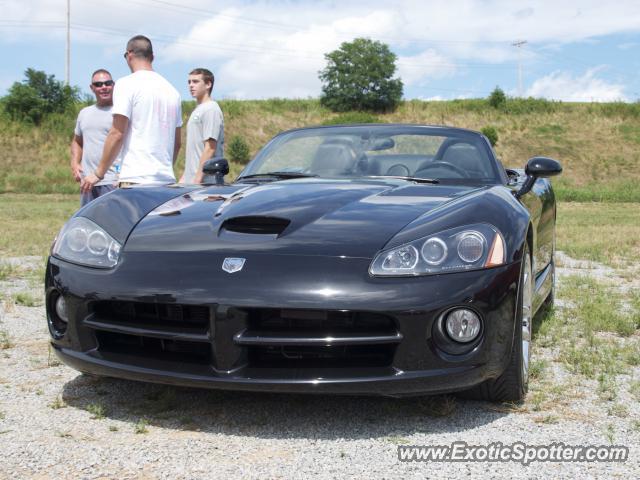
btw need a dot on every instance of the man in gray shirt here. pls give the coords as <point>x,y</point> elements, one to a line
<point>205,129</point>
<point>92,126</point>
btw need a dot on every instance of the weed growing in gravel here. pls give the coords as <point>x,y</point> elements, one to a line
<point>438,406</point>
<point>597,305</point>
<point>610,433</point>
<point>52,360</point>
<point>537,369</point>
<point>26,300</point>
<point>2,415</point>
<point>186,420</point>
<point>97,410</point>
<point>632,354</point>
<point>161,401</point>
<point>582,331</point>
<point>634,389</point>
<point>397,440</point>
<point>547,419</point>
<point>141,427</point>
<point>5,340</point>
<point>113,428</point>
<point>607,389</point>
<point>618,410</point>
<point>7,270</point>
<point>57,403</point>
<point>636,425</point>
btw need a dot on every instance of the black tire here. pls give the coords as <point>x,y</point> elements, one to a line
<point>512,385</point>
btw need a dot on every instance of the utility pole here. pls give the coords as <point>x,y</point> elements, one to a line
<point>68,63</point>
<point>519,44</point>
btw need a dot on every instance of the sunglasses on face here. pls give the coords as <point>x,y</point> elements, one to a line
<point>107,83</point>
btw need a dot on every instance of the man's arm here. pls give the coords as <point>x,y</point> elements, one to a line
<point>207,153</point>
<point>177,143</point>
<point>112,146</point>
<point>76,157</point>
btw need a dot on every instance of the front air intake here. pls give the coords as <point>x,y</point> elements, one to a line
<point>256,225</point>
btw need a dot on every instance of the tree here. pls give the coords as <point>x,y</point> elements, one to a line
<point>358,76</point>
<point>497,99</point>
<point>238,150</point>
<point>491,133</point>
<point>37,96</point>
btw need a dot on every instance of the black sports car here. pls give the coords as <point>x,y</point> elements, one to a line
<point>365,259</point>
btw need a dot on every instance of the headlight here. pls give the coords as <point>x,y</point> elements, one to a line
<point>465,248</point>
<point>82,241</point>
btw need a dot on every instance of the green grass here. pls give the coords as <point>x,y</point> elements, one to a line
<point>596,143</point>
<point>8,270</point>
<point>613,191</point>
<point>608,233</point>
<point>5,340</point>
<point>598,306</point>
<point>27,300</point>
<point>141,427</point>
<point>30,223</point>
<point>97,410</point>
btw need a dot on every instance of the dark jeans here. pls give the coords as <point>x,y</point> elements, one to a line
<point>95,192</point>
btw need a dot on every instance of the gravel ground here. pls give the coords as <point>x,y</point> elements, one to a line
<point>57,423</point>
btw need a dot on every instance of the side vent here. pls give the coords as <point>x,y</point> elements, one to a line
<point>256,225</point>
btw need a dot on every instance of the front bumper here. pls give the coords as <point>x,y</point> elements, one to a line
<point>230,348</point>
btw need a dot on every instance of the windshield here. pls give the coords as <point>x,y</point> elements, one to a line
<point>444,154</point>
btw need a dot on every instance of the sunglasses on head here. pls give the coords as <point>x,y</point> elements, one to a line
<point>107,83</point>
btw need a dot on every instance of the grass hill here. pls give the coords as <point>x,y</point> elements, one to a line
<point>598,144</point>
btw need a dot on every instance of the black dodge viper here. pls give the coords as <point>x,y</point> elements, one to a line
<point>363,259</point>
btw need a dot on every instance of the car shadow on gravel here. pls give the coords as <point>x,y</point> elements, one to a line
<point>267,415</point>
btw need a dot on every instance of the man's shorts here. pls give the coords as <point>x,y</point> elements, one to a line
<point>95,192</point>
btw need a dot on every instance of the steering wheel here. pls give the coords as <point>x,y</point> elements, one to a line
<point>446,165</point>
<point>398,170</point>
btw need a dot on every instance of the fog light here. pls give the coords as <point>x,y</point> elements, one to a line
<point>61,309</point>
<point>57,315</point>
<point>463,325</point>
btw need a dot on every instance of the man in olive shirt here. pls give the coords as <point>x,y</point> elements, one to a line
<point>205,129</point>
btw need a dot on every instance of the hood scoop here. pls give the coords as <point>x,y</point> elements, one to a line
<point>254,225</point>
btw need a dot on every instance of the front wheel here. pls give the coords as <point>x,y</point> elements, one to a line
<point>512,385</point>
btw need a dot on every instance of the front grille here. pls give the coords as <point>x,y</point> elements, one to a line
<point>313,324</point>
<point>348,356</point>
<point>154,348</point>
<point>321,322</point>
<point>230,337</point>
<point>194,317</point>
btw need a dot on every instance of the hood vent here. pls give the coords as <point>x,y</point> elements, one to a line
<point>256,225</point>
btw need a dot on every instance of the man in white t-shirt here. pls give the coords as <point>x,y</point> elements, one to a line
<point>147,117</point>
<point>92,127</point>
<point>205,128</point>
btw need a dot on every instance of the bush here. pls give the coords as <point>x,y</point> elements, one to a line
<point>352,117</point>
<point>491,133</point>
<point>358,76</point>
<point>38,96</point>
<point>497,99</point>
<point>238,150</point>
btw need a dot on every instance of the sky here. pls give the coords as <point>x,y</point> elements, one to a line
<point>570,50</point>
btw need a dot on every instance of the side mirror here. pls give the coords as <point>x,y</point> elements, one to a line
<point>218,167</point>
<point>538,167</point>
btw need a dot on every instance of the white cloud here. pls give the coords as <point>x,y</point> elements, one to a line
<point>263,48</point>
<point>585,88</point>
<point>418,69</point>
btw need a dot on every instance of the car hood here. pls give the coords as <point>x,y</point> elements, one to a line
<point>295,217</point>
